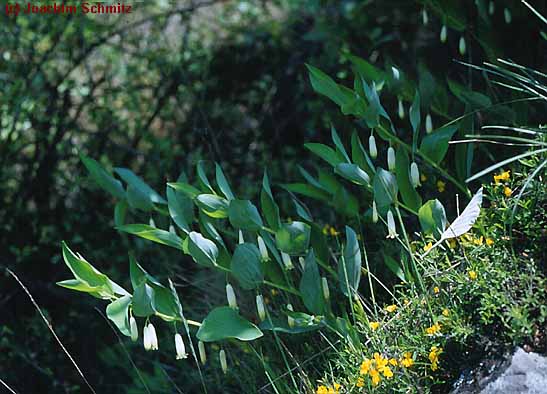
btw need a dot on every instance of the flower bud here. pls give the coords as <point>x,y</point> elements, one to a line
<point>262,248</point>
<point>223,363</point>
<point>374,212</point>
<point>391,159</point>
<point>414,175</point>
<point>146,339</point>
<point>133,329</point>
<point>151,222</point>
<point>240,238</point>
<point>260,307</point>
<point>396,74</point>
<point>325,286</point>
<point>444,34</point>
<point>231,296</point>
<point>302,262</point>
<point>290,320</point>
<point>401,109</point>
<point>425,17</point>
<point>428,124</point>
<point>287,261</point>
<point>507,15</point>
<point>372,147</point>
<point>179,347</point>
<point>392,230</point>
<point>462,46</point>
<point>153,337</point>
<point>202,354</point>
<point>491,7</point>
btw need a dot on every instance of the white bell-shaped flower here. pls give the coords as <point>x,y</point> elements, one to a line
<point>231,296</point>
<point>391,159</point>
<point>507,15</point>
<point>401,109</point>
<point>146,339</point>
<point>153,336</point>
<point>414,175</point>
<point>374,212</point>
<point>240,237</point>
<point>425,17</point>
<point>290,320</point>
<point>179,347</point>
<point>202,353</point>
<point>372,147</point>
<point>392,230</point>
<point>133,329</point>
<point>287,262</point>
<point>261,309</point>
<point>263,249</point>
<point>428,124</point>
<point>491,7</point>
<point>223,362</point>
<point>444,34</point>
<point>325,286</point>
<point>462,47</point>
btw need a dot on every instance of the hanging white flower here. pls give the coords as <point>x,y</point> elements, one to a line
<point>428,124</point>
<point>507,15</point>
<point>202,353</point>
<point>444,34</point>
<point>391,159</point>
<point>260,307</point>
<point>425,17</point>
<point>231,296</point>
<point>414,175</point>
<point>401,109</point>
<point>491,7</point>
<point>223,362</point>
<point>240,238</point>
<point>374,212</point>
<point>146,339</point>
<point>287,261</point>
<point>392,230</point>
<point>133,329</point>
<point>179,347</point>
<point>462,46</point>
<point>372,147</point>
<point>153,337</point>
<point>262,248</point>
<point>325,286</point>
<point>290,320</point>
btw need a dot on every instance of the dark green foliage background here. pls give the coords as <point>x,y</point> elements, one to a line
<point>157,91</point>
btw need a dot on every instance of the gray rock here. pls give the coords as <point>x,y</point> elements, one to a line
<point>527,374</point>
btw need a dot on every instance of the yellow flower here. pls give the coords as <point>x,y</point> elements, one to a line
<point>441,186</point>
<point>434,357</point>
<point>446,312</point>
<point>322,390</point>
<point>333,232</point>
<point>393,362</point>
<point>273,292</point>
<point>365,366</point>
<point>374,325</point>
<point>478,241</point>
<point>331,390</point>
<point>360,382</point>
<point>452,243</point>
<point>406,301</point>
<point>326,229</point>
<point>388,373</point>
<point>489,241</point>
<point>472,275</point>
<point>436,290</point>
<point>504,176</point>
<point>434,329</point>
<point>423,178</point>
<point>407,361</point>
<point>507,191</point>
<point>380,361</point>
<point>428,246</point>
<point>391,308</point>
<point>375,375</point>
<point>337,387</point>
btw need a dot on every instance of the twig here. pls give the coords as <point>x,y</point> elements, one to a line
<point>48,324</point>
<point>8,387</point>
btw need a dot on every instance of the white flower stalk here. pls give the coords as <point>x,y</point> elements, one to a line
<point>153,337</point>
<point>231,296</point>
<point>372,147</point>
<point>325,286</point>
<point>462,46</point>
<point>263,249</point>
<point>414,175</point>
<point>491,7</point>
<point>401,109</point>
<point>425,17</point>
<point>223,362</point>
<point>202,353</point>
<point>507,15</point>
<point>302,262</point>
<point>444,34</point>
<point>261,309</point>
<point>290,320</point>
<point>374,212</point>
<point>179,347</point>
<point>392,230</point>
<point>428,124</point>
<point>133,329</point>
<point>146,339</point>
<point>240,238</point>
<point>287,261</point>
<point>391,159</point>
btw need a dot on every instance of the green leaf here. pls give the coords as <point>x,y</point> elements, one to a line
<point>307,190</point>
<point>385,189</point>
<point>103,178</point>
<point>268,204</point>
<point>435,145</point>
<point>82,269</point>
<point>293,238</point>
<point>143,301</point>
<point>202,250</point>
<point>311,287</point>
<point>325,152</point>
<point>223,184</point>
<point>349,267</point>
<point>394,267</point>
<point>181,208</point>
<point>152,234</point>
<point>246,266</point>
<point>301,209</point>
<point>191,191</point>
<point>345,203</point>
<point>432,217</point>
<point>244,215</point>
<point>339,145</point>
<point>118,312</point>
<point>139,275</point>
<point>353,173</point>
<point>137,199</point>
<point>165,303</point>
<point>402,170</point>
<point>415,113</point>
<point>203,177</point>
<point>360,156</point>
<point>132,179</point>
<point>325,85</point>
<point>120,212</point>
<point>213,205</point>
<point>79,285</point>
<point>281,325</point>
<point>366,70</point>
<point>225,323</point>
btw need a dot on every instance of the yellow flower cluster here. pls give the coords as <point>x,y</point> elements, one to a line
<point>407,361</point>
<point>434,329</point>
<point>434,357</point>
<point>374,325</point>
<point>329,230</point>
<point>472,275</point>
<point>334,389</point>
<point>376,367</point>
<point>441,186</point>
<point>504,176</point>
<point>391,308</point>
